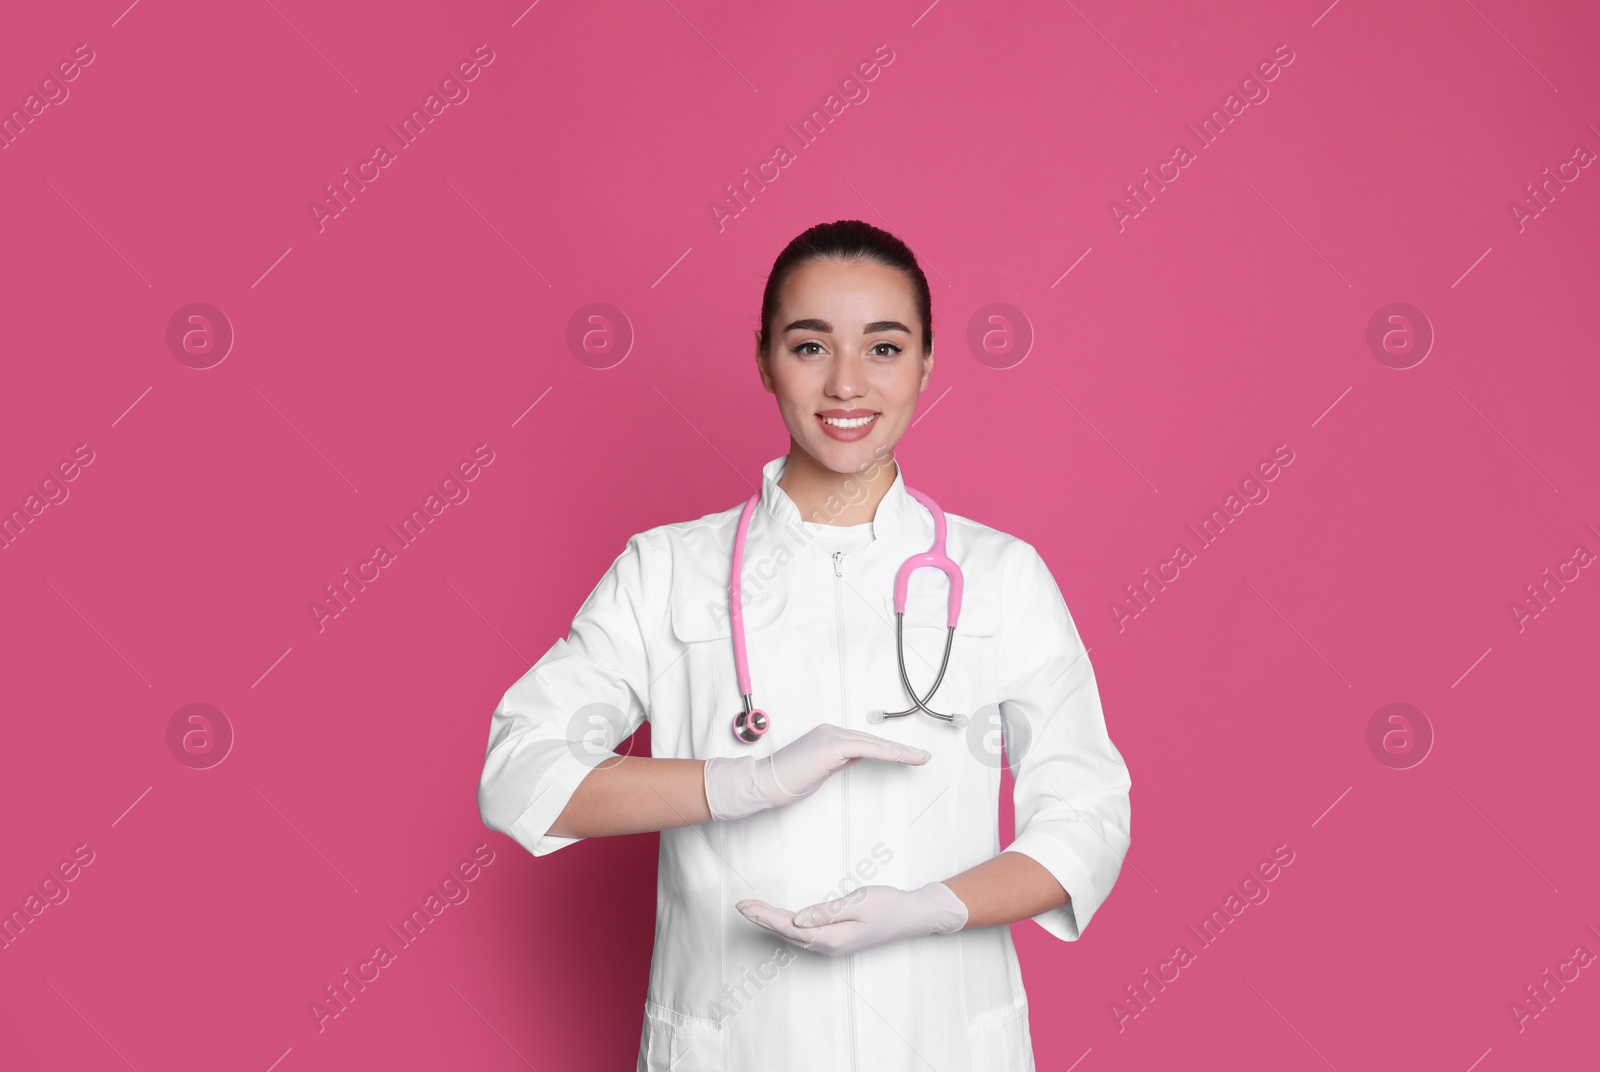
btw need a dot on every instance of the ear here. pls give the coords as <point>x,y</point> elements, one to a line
<point>762,367</point>
<point>927,369</point>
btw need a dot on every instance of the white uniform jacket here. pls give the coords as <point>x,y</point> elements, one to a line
<point>653,641</point>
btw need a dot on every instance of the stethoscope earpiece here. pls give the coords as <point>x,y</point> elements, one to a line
<point>875,716</point>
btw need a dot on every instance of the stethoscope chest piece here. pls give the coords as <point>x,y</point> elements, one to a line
<point>749,725</point>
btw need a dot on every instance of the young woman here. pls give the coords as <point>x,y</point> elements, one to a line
<point>831,890</point>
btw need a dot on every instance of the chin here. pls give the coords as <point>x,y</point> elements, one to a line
<point>846,458</point>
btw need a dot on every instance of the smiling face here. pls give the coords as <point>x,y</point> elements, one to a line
<point>845,360</point>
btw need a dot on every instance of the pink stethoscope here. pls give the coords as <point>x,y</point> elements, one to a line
<point>752,722</point>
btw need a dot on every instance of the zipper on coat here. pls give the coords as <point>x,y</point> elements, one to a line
<point>844,779</point>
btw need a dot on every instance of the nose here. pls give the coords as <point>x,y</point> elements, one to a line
<point>843,376</point>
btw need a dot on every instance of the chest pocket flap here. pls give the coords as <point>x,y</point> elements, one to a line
<point>980,614</point>
<point>704,616</point>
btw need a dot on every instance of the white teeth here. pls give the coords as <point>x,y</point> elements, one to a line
<point>849,422</point>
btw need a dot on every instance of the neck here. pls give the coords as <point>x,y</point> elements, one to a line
<point>831,498</point>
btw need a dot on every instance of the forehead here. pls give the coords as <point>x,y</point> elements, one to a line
<point>848,292</point>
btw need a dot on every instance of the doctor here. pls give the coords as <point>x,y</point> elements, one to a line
<point>831,894</point>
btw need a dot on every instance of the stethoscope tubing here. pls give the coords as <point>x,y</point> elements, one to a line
<point>918,703</point>
<point>751,722</point>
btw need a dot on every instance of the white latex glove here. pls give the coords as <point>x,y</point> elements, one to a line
<point>743,785</point>
<point>864,917</point>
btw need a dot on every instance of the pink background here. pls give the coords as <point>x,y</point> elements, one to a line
<point>373,355</point>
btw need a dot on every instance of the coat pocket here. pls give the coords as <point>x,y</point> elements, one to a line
<point>979,615</point>
<point>704,632</point>
<point>999,1041</point>
<point>704,615</point>
<point>674,1042</point>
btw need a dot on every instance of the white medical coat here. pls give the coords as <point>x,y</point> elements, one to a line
<point>653,640</point>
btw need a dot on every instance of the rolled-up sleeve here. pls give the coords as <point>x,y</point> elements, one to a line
<point>1071,785</point>
<point>569,711</point>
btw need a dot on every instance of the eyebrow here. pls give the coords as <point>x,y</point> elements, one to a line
<point>813,324</point>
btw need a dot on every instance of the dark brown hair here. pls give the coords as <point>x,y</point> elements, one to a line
<point>846,240</point>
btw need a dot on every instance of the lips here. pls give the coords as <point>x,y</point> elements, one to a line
<point>848,425</point>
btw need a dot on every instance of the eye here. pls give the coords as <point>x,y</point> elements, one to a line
<point>892,348</point>
<point>801,348</point>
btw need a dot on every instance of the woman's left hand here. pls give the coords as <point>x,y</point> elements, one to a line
<point>868,916</point>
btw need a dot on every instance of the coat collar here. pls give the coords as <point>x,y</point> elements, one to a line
<point>899,517</point>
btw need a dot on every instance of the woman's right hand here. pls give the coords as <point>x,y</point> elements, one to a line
<point>743,785</point>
